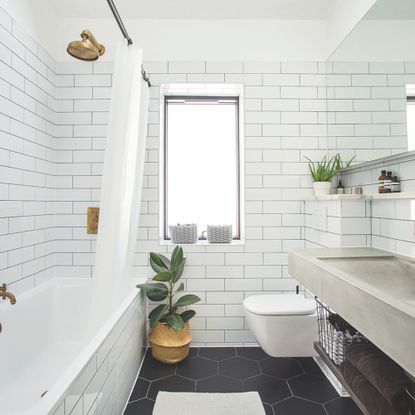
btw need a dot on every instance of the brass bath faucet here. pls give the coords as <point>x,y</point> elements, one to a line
<point>5,294</point>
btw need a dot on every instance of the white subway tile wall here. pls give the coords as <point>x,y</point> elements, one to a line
<point>393,221</point>
<point>337,223</point>
<point>27,159</point>
<point>283,123</point>
<point>53,120</point>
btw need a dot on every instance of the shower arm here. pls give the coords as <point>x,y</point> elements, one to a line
<point>86,34</point>
<point>120,23</point>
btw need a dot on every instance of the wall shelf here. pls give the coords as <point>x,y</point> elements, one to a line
<point>376,196</point>
<point>387,196</point>
<point>339,197</point>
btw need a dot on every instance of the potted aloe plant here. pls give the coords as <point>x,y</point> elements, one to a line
<point>323,171</point>
<point>170,332</point>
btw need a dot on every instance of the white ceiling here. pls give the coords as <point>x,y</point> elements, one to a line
<point>196,9</point>
<point>392,10</point>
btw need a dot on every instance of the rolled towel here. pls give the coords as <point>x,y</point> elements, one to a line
<point>383,373</point>
<point>365,391</point>
<point>341,324</point>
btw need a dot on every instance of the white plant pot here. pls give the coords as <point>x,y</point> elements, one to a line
<point>322,188</point>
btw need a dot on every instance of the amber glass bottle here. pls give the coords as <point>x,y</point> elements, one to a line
<point>381,181</point>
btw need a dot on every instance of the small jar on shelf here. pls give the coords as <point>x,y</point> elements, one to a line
<point>387,184</point>
<point>395,185</point>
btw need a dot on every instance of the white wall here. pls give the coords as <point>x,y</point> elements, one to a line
<point>207,39</point>
<point>343,16</point>
<point>37,17</point>
<point>185,39</point>
<point>379,40</point>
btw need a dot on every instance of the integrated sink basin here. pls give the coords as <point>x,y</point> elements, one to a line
<point>372,289</point>
<point>389,275</point>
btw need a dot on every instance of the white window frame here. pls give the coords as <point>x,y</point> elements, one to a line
<point>201,90</point>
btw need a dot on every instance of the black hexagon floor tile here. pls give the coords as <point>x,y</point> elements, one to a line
<point>297,406</point>
<point>281,367</point>
<point>310,366</point>
<point>268,409</point>
<point>197,368</point>
<point>242,372</point>
<point>219,383</point>
<point>148,354</point>
<point>239,368</point>
<point>143,407</point>
<point>152,369</point>
<point>172,383</point>
<point>217,353</point>
<point>342,406</point>
<point>140,389</point>
<point>270,389</point>
<point>313,388</point>
<point>193,352</point>
<point>254,353</point>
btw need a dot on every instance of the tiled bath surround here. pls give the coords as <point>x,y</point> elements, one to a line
<point>104,385</point>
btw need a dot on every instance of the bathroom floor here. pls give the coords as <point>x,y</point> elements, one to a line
<point>287,386</point>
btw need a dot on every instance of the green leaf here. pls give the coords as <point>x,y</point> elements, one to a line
<point>163,276</point>
<point>188,299</point>
<point>180,288</point>
<point>142,287</point>
<point>156,263</point>
<point>165,261</point>
<point>156,291</point>
<point>179,271</point>
<point>187,315</point>
<point>175,322</point>
<point>176,257</point>
<point>156,314</point>
<point>325,170</point>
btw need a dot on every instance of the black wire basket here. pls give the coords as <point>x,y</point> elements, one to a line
<point>334,333</point>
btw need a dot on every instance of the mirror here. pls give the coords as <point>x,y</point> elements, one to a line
<point>371,85</point>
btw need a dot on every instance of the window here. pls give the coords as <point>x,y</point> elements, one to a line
<point>410,115</point>
<point>201,162</point>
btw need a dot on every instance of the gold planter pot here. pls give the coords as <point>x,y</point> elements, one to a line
<point>168,345</point>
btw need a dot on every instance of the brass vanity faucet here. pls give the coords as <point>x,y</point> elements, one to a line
<point>5,294</point>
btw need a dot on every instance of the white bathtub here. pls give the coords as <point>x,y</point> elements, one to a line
<point>49,344</point>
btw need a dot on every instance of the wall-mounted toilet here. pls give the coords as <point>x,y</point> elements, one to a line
<point>284,325</point>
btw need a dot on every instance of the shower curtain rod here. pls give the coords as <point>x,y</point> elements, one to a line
<point>126,35</point>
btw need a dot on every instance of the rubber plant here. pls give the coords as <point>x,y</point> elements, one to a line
<point>168,274</point>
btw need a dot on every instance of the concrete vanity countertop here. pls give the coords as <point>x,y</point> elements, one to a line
<point>373,290</point>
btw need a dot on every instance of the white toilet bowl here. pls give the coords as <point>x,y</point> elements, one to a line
<point>284,325</point>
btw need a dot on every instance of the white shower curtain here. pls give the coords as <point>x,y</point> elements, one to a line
<point>123,175</point>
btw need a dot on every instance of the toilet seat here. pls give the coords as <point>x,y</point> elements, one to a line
<point>280,305</point>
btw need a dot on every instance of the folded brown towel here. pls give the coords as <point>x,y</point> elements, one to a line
<point>382,372</point>
<point>365,391</point>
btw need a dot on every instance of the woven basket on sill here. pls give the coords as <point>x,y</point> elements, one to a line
<point>219,234</point>
<point>183,233</point>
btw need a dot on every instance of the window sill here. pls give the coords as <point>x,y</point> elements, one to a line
<point>237,242</point>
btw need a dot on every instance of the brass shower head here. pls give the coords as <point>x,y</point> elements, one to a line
<point>87,49</point>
